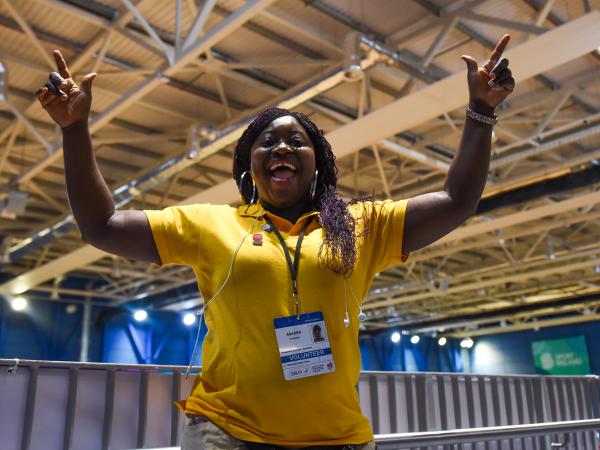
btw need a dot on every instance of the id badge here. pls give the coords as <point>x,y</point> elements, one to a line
<point>304,345</point>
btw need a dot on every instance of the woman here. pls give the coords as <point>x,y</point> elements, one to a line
<point>285,272</point>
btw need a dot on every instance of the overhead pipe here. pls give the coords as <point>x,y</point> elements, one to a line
<point>542,148</point>
<point>498,314</point>
<point>398,58</point>
<point>352,69</point>
<point>500,161</point>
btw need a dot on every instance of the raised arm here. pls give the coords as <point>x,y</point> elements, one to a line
<point>123,233</point>
<point>431,216</point>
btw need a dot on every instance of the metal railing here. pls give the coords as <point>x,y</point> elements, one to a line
<point>398,402</point>
<point>62,405</point>
<point>504,437</point>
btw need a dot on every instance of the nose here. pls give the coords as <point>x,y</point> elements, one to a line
<point>282,148</point>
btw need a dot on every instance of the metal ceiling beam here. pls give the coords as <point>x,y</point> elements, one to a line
<point>520,217</point>
<point>568,42</point>
<point>81,58</point>
<point>29,32</point>
<point>478,37</point>
<point>474,286</point>
<point>522,326</point>
<point>543,14</point>
<point>71,261</point>
<point>219,140</point>
<point>518,315</point>
<point>87,254</point>
<point>199,22</point>
<point>222,194</point>
<point>203,44</point>
<point>150,30</point>
<point>574,39</point>
<point>541,230</point>
<point>499,22</point>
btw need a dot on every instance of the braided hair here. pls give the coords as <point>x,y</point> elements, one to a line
<point>339,248</point>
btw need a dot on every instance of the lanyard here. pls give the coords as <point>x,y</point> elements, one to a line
<point>292,266</point>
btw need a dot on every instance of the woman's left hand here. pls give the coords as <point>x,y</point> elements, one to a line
<point>493,82</point>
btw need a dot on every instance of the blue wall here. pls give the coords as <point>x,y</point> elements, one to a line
<point>510,353</point>
<point>380,353</point>
<point>160,339</point>
<point>46,331</point>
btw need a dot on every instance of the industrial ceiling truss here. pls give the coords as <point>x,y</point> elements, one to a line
<point>180,79</point>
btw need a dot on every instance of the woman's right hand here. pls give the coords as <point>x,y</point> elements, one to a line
<point>69,103</point>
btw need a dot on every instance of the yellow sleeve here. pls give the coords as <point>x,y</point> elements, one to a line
<point>385,220</point>
<point>178,233</point>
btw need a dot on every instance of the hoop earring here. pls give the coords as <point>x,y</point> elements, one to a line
<point>313,186</point>
<point>241,187</point>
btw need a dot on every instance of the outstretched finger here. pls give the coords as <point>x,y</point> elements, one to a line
<point>497,53</point>
<point>61,65</point>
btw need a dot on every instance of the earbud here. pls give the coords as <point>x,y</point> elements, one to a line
<point>361,315</point>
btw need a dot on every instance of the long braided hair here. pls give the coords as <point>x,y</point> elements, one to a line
<point>339,248</point>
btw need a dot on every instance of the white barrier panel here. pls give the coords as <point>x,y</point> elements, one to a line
<point>60,405</point>
<point>399,402</point>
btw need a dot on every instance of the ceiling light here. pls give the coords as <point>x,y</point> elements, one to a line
<point>140,315</point>
<point>71,309</point>
<point>466,343</point>
<point>415,339</point>
<point>442,341</point>
<point>19,303</point>
<point>189,319</point>
<point>395,337</point>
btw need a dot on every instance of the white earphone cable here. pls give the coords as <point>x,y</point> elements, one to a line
<point>347,316</point>
<point>202,311</point>
<point>361,315</point>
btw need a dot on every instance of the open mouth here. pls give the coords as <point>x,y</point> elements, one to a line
<point>282,171</point>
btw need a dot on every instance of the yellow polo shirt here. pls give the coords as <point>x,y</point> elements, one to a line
<point>242,388</point>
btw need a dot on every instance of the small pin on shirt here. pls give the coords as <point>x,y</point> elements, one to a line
<point>257,239</point>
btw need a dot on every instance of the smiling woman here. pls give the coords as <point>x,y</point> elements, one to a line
<point>293,167</point>
<point>280,361</point>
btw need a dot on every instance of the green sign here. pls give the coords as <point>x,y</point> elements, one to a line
<point>567,356</point>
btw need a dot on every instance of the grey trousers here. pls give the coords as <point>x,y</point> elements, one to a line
<point>204,435</point>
